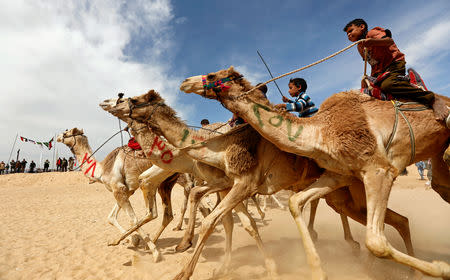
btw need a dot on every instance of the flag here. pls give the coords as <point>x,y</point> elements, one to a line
<point>48,144</point>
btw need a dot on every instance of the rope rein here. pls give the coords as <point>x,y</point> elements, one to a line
<point>79,166</point>
<point>305,67</point>
<point>398,110</point>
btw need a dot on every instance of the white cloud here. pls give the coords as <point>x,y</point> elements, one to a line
<point>60,59</point>
<point>432,42</point>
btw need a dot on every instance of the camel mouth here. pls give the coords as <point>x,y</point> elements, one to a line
<point>59,138</point>
<point>190,85</point>
<point>108,104</point>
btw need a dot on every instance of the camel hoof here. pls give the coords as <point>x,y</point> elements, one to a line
<point>181,276</point>
<point>319,275</point>
<point>313,234</point>
<point>183,247</point>
<point>220,272</point>
<point>177,228</point>
<point>356,248</point>
<point>113,243</point>
<point>156,256</point>
<point>444,268</point>
<point>135,240</point>
<point>272,269</point>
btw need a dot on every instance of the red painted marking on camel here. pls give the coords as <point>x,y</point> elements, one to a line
<point>198,138</point>
<point>166,156</point>
<point>88,161</point>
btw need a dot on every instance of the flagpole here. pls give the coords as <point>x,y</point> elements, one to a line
<point>10,154</point>
<point>54,159</point>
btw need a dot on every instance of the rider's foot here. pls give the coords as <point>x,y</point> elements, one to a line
<point>440,109</point>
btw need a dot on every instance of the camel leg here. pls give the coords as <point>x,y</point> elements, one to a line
<point>183,208</point>
<point>260,211</point>
<point>237,194</point>
<point>152,213</point>
<point>312,217</point>
<point>280,205</point>
<point>112,217</point>
<point>194,199</point>
<point>165,190</point>
<point>228,225</point>
<point>440,180</point>
<point>378,183</point>
<point>326,183</point>
<point>264,199</point>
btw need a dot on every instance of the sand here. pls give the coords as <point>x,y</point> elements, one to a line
<point>53,226</point>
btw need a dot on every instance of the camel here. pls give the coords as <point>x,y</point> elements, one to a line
<point>348,138</point>
<point>269,169</point>
<point>446,156</point>
<point>216,178</point>
<point>119,172</point>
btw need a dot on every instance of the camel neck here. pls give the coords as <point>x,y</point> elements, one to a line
<point>89,165</point>
<point>288,133</point>
<point>180,136</point>
<point>162,153</point>
<point>178,133</point>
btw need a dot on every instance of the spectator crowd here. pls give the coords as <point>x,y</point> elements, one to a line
<point>17,166</point>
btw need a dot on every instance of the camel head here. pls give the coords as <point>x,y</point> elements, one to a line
<point>133,108</point>
<point>223,84</point>
<point>139,108</point>
<point>69,136</point>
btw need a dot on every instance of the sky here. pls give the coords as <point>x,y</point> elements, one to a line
<point>60,59</point>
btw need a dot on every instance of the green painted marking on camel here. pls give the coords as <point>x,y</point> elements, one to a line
<point>256,107</point>
<point>289,129</point>
<point>279,120</point>
<point>192,141</point>
<point>185,135</point>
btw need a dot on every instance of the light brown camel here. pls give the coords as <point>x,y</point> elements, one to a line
<point>119,172</point>
<point>178,161</point>
<point>270,169</point>
<point>348,137</point>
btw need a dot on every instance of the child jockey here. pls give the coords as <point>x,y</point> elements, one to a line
<point>302,102</point>
<point>388,65</point>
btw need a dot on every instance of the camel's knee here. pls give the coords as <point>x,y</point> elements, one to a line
<point>111,220</point>
<point>296,202</point>
<point>378,245</point>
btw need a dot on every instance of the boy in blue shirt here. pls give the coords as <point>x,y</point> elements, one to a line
<point>302,102</point>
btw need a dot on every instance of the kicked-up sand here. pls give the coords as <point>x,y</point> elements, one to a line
<point>53,226</point>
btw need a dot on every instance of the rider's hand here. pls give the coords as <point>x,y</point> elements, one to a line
<point>280,106</point>
<point>285,99</point>
<point>364,82</point>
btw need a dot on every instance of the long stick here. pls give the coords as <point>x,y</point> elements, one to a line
<point>10,154</point>
<point>267,67</point>
<point>303,68</point>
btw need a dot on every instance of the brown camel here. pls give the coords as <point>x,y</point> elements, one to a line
<point>268,169</point>
<point>178,161</point>
<point>348,137</point>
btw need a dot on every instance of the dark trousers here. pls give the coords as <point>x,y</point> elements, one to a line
<point>401,89</point>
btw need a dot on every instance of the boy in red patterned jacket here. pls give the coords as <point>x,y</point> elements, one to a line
<point>384,56</point>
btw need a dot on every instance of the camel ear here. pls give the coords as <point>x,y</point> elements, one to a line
<point>231,70</point>
<point>81,131</point>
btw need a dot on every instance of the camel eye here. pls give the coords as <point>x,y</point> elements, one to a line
<point>210,76</point>
<point>134,101</point>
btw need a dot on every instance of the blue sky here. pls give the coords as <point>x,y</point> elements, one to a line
<point>61,58</point>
